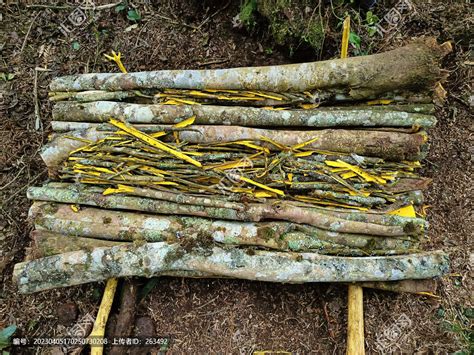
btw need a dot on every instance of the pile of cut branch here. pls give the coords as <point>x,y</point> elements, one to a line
<point>248,173</point>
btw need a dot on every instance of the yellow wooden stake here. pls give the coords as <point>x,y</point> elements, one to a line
<point>346,30</point>
<point>98,331</point>
<point>355,320</point>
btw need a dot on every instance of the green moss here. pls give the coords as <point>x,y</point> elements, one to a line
<point>294,22</point>
<point>247,13</point>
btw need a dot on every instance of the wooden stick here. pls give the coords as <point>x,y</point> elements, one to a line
<point>98,331</point>
<point>394,146</point>
<point>355,321</point>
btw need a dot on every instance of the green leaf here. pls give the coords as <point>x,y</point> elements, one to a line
<point>133,15</point>
<point>370,18</point>
<point>120,7</point>
<point>76,45</point>
<point>150,285</point>
<point>5,335</point>
<point>7,76</point>
<point>354,39</point>
<point>371,30</point>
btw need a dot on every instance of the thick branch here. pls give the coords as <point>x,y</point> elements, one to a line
<point>251,212</point>
<point>153,258</point>
<point>129,226</point>
<point>413,67</point>
<point>367,116</point>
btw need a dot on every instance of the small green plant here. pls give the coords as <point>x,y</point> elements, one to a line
<point>459,322</point>
<point>371,20</point>
<point>354,39</point>
<point>134,15</point>
<point>247,13</point>
<point>7,76</point>
<point>5,337</point>
<point>121,7</point>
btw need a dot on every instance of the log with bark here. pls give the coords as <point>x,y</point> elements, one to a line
<point>354,116</point>
<point>254,212</point>
<point>151,259</point>
<point>58,228</point>
<point>412,68</point>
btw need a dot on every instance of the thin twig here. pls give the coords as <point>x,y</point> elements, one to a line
<point>214,14</point>
<point>217,61</point>
<point>176,22</point>
<point>14,179</point>
<point>65,7</point>
<point>28,32</point>
<point>38,122</point>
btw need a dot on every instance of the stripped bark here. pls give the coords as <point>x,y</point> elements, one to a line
<point>251,212</point>
<point>151,259</point>
<point>128,226</point>
<point>101,111</point>
<point>413,67</point>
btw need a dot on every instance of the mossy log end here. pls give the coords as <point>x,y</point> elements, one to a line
<point>365,116</point>
<point>151,259</point>
<point>414,67</point>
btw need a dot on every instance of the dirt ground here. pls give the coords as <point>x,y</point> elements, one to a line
<point>224,316</point>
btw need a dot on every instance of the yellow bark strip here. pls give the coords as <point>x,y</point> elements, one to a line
<point>379,102</point>
<point>266,95</point>
<point>116,57</point>
<point>262,186</point>
<point>98,331</point>
<point>263,194</point>
<point>406,211</point>
<point>187,122</point>
<point>152,141</point>
<point>301,145</point>
<point>363,174</point>
<point>120,189</point>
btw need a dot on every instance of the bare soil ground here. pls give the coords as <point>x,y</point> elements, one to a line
<point>231,316</point>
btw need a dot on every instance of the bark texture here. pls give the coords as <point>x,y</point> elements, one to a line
<point>151,259</point>
<point>56,224</point>
<point>413,67</point>
<point>251,212</point>
<point>387,116</point>
<point>394,146</point>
